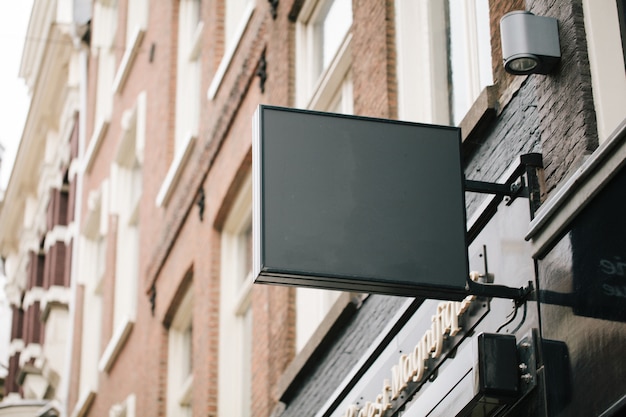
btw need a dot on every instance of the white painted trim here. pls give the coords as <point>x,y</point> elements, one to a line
<point>582,186</point>
<point>331,79</point>
<point>230,52</point>
<point>114,347</point>
<point>174,172</point>
<point>58,233</point>
<point>127,60</point>
<point>16,345</point>
<point>32,296</point>
<point>83,404</point>
<point>186,392</point>
<point>31,351</point>
<point>196,42</point>
<point>56,294</point>
<point>234,304</point>
<point>94,143</point>
<point>606,61</point>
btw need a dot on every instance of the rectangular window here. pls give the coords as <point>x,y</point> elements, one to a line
<point>188,72</point>
<point>469,67</point>
<point>104,29</point>
<point>180,359</point>
<point>444,58</point>
<point>235,18</point>
<point>235,363</point>
<point>323,56</point>
<point>605,29</point>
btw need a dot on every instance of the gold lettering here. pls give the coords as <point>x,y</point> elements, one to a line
<point>412,367</point>
<point>417,359</point>
<point>397,383</point>
<point>449,313</point>
<point>386,397</point>
<point>351,411</point>
<point>437,346</point>
<point>407,373</point>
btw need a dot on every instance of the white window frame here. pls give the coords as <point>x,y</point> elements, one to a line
<point>92,266</point>
<point>316,90</point>
<point>235,376</point>
<point>188,98</point>
<point>126,184</point>
<point>607,65</point>
<point>180,356</point>
<point>424,65</point>
<point>103,46</point>
<point>232,38</point>
<point>124,409</point>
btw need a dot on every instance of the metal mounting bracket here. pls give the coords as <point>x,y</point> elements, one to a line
<point>531,165</point>
<point>525,181</point>
<point>519,295</point>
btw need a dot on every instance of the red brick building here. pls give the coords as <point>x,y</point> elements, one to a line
<point>162,316</point>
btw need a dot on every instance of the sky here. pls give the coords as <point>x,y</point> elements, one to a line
<point>14,100</point>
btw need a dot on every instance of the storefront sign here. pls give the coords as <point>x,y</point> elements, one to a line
<point>358,204</point>
<point>416,366</point>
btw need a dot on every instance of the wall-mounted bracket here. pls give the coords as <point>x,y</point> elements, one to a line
<point>530,186</point>
<point>519,295</point>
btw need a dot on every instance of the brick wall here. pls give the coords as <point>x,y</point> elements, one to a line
<point>564,100</point>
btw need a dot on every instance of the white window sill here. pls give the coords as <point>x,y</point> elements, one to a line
<point>31,351</point>
<point>59,233</point>
<point>196,42</point>
<point>83,404</point>
<point>33,295</point>
<point>94,143</point>
<point>330,80</point>
<point>230,52</point>
<point>173,174</point>
<point>184,398</point>
<point>115,345</point>
<point>127,60</point>
<point>16,346</point>
<point>55,296</point>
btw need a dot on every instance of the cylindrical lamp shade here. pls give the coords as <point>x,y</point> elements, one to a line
<point>530,44</point>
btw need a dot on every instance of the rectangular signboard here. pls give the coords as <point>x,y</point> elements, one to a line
<point>358,204</point>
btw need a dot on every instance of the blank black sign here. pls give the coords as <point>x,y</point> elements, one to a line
<point>358,204</point>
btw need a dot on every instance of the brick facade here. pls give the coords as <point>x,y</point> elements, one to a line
<point>180,240</point>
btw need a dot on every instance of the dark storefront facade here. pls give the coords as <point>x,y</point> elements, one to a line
<point>558,352</point>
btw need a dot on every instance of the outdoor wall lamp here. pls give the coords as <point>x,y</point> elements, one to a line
<point>530,44</point>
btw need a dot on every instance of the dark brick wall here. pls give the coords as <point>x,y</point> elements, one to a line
<point>339,358</point>
<point>564,100</point>
<point>513,133</point>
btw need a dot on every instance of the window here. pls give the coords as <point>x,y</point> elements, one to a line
<point>606,58</point>
<point>188,72</point>
<point>235,389</point>
<point>190,29</point>
<point>236,17</point>
<point>444,58</point>
<point>136,19</point>
<point>92,267</point>
<point>180,359</point>
<point>323,56</point>
<point>136,24</point>
<point>469,66</point>
<point>105,27</point>
<point>237,12</point>
<point>124,409</point>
